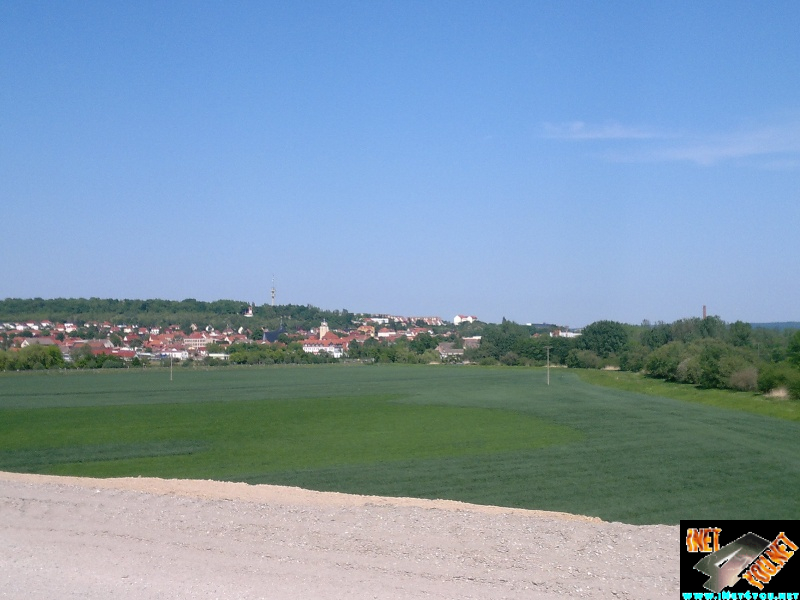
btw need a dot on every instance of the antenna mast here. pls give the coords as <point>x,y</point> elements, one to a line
<point>273,290</point>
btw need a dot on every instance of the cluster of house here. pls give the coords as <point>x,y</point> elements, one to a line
<point>123,341</point>
<point>325,340</point>
<point>131,341</point>
<point>337,344</point>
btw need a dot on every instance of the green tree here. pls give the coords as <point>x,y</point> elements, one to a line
<point>712,327</point>
<point>717,363</point>
<point>663,362</point>
<point>532,349</point>
<point>39,357</point>
<point>510,359</point>
<point>82,356</point>
<point>689,370</point>
<point>430,357</point>
<point>656,336</point>
<point>424,341</point>
<point>604,338</point>
<point>498,340</point>
<point>582,359</point>
<point>740,333</point>
<point>634,358</point>
<point>793,349</point>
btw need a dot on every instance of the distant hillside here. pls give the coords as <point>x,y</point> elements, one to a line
<point>778,326</point>
<point>154,312</point>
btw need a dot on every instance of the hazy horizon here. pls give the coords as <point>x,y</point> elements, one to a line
<point>447,317</point>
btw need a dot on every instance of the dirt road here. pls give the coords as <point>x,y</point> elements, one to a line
<point>151,538</point>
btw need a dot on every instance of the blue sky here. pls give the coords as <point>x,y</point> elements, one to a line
<point>541,161</point>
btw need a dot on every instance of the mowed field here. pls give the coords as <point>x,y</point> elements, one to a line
<point>485,435</point>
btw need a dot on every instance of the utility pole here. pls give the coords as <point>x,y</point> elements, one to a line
<point>548,364</point>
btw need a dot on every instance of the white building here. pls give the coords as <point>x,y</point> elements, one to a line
<point>336,348</point>
<point>565,333</point>
<point>458,319</point>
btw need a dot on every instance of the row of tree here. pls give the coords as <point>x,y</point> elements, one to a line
<point>33,357</point>
<point>706,352</point>
<point>37,357</point>
<point>420,350</point>
<point>161,313</point>
<point>279,354</point>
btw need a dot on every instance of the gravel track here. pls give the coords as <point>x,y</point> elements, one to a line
<point>141,538</point>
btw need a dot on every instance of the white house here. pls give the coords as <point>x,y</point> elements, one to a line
<point>565,333</point>
<point>328,342</point>
<point>458,319</point>
<point>448,351</point>
<point>336,348</point>
<point>176,353</point>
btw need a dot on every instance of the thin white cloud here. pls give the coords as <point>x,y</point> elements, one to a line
<point>773,146</point>
<point>579,130</point>
<point>764,142</point>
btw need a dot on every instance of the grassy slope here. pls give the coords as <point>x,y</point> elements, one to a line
<point>571,446</point>
<point>780,408</point>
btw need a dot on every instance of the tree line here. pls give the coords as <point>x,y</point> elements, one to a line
<point>161,313</point>
<point>37,357</point>
<point>705,352</point>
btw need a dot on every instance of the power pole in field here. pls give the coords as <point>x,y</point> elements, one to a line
<point>548,364</point>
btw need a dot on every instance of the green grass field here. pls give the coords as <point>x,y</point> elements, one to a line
<point>485,435</point>
<point>781,408</point>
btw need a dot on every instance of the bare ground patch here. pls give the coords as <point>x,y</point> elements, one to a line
<point>143,538</point>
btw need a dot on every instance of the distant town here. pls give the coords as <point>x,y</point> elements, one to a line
<point>129,343</point>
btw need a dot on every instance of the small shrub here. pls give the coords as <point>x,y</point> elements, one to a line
<point>583,359</point>
<point>688,371</point>
<point>793,383</point>
<point>663,363</point>
<point>774,376</point>
<point>745,379</point>
<point>635,359</point>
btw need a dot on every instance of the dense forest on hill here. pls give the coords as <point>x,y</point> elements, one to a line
<point>150,313</point>
<point>780,326</point>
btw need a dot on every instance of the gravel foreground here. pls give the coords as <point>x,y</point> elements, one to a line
<point>141,538</point>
